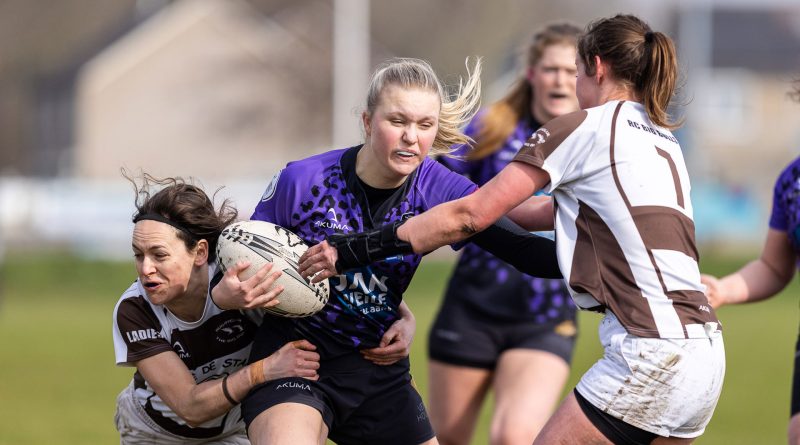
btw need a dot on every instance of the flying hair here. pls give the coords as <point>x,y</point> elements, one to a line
<point>455,109</point>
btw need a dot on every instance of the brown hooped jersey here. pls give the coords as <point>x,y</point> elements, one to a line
<point>624,227</point>
<point>216,345</point>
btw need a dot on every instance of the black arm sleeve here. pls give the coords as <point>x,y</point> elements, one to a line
<point>529,253</point>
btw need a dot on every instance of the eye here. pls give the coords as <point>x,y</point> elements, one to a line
<point>426,125</point>
<point>138,256</point>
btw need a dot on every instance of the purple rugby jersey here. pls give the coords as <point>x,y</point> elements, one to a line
<point>319,196</point>
<point>487,283</point>
<point>786,203</point>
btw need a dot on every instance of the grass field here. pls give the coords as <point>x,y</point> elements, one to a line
<point>58,381</point>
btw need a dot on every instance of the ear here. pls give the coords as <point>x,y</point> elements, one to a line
<point>366,122</point>
<point>530,73</point>
<point>600,69</point>
<point>201,253</point>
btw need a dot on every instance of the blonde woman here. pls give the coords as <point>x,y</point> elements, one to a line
<point>360,398</point>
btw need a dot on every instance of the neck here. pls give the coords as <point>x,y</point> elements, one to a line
<point>190,306</point>
<point>618,92</point>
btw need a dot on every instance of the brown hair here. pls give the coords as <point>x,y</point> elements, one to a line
<point>643,59</point>
<point>500,119</point>
<point>186,206</point>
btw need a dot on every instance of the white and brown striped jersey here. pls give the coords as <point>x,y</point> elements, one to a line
<point>624,227</point>
<point>216,345</point>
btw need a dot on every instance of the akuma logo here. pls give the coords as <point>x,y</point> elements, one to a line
<point>332,221</point>
<point>180,350</point>
<point>298,385</point>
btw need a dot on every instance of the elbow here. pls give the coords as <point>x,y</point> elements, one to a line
<point>193,417</point>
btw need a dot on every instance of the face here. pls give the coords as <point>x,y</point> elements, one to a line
<point>399,134</point>
<point>553,82</point>
<point>587,89</point>
<point>163,263</point>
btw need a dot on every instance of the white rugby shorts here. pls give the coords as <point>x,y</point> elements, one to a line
<point>668,387</point>
<point>136,428</point>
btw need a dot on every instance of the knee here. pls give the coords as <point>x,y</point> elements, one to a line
<point>509,432</point>
<point>452,436</point>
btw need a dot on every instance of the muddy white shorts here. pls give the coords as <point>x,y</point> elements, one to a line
<point>668,387</point>
<point>136,428</point>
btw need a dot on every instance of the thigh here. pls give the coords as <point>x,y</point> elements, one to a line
<point>392,414</point>
<point>569,425</point>
<point>794,430</point>
<point>288,424</point>
<point>463,337</point>
<point>527,384</point>
<point>455,396</point>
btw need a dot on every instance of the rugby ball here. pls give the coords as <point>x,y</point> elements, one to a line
<point>260,242</point>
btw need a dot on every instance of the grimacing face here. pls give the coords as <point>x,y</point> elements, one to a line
<point>553,83</point>
<point>163,263</point>
<point>399,134</point>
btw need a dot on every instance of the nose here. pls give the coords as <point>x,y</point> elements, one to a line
<point>410,134</point>
<point>147,266</point>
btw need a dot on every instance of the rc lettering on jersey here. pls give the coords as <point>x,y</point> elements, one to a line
<point>298,385</point>
<point>643,127</point>
<point>368,298</point>
<point>142,334</point>
<point>332,222</point>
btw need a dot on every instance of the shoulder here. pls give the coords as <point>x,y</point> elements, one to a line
<point>313,164</point>
<point>134,307</point>
<point>434,179</point>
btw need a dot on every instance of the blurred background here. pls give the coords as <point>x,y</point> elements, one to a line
<point>229,91</point>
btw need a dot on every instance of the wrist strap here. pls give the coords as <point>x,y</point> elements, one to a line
<point>363,248</point>
<point>225,392</point>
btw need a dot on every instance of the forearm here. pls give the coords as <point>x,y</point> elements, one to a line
<point>207,400</point>
<point>754,282</point>
<point>535,214</point>
<point>530,254</point>
<point>443,224</point>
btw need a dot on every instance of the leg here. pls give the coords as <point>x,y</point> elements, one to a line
<point>794,430</point>
<point>288,424</point>
<point>527,384</point>
<point>569,425</point>
<point>455,395</point>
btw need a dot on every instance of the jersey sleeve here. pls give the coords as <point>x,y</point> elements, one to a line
<point>560,148</point>
<point>276,201</point>
<point>448,185</point>
<point>137,332</point>
<point>779,218</point>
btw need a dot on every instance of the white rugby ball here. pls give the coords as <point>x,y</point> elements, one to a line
<point>260,242</point>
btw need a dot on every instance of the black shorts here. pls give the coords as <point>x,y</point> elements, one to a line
<point>462,336</point>
<point>615,430</point>
<point>796,380</point>
<point>360,402</point>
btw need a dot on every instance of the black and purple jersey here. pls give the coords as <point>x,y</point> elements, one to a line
<point>786,204</point>
<point>320,196</point>
<point>483,281</point>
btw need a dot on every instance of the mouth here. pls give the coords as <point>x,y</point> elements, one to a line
<point>405,154</point>
<point>557,96</point>
<point>151,286</point>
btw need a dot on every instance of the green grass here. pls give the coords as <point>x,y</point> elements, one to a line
<point>58,381</point>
